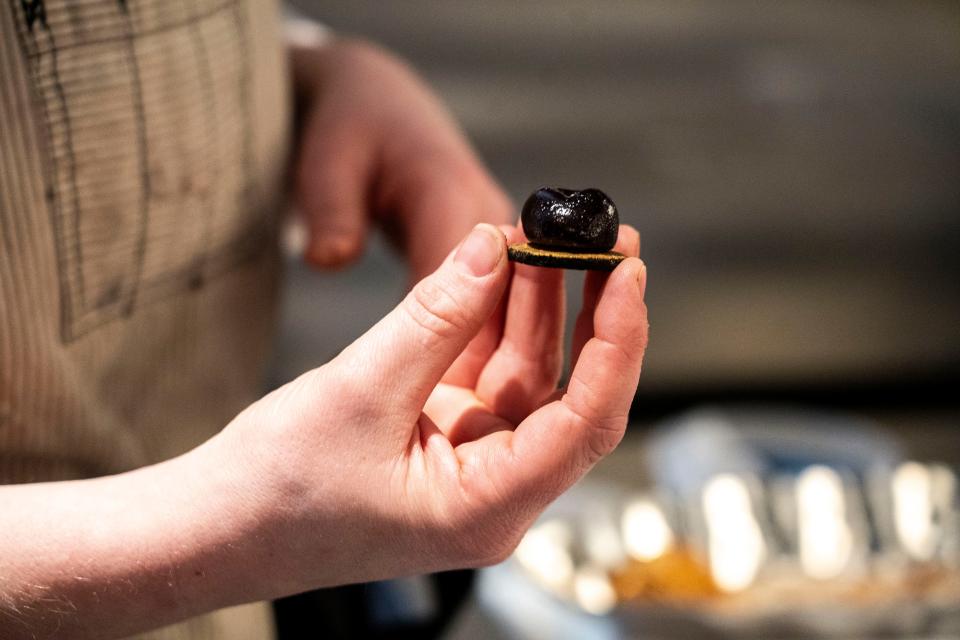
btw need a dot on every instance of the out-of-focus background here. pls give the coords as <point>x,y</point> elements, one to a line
<point>793,167</point>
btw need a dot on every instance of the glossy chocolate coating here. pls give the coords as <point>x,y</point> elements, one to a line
<point>572,220</point>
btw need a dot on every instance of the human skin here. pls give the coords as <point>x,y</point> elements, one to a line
<point>430,443</point>
<point>376,147</point>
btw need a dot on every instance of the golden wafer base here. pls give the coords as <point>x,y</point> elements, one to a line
<point>527,254</point>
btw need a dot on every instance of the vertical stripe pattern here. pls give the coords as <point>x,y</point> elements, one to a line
<point>142,152</point>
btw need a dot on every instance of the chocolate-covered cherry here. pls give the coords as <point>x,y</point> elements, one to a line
<point>571,220</point>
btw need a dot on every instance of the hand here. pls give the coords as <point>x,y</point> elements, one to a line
<point>435,439</point>
<point>430,443</point>
<point>377,146</point>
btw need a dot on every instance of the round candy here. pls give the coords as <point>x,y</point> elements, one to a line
<point>570,220</point>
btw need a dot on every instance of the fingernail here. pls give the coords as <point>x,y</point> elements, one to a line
<point>642,278</point>
<point>480,252</point>
<point>330,252</point>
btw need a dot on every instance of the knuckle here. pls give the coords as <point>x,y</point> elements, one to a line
<point>624,352</point>
<point>583,399</point>
<point>538,370</point>
<point>437,313</point>
<point>604,439</point>
<point>604,432</point>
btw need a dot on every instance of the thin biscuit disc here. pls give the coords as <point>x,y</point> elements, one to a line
<point>526,254</point>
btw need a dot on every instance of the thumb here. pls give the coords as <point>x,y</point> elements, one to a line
<point>402,358</point>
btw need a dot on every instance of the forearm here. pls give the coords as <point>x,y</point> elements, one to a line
<point>111,556</point>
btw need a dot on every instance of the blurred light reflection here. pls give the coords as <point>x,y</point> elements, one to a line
<point>922,495</point>
<point>593,590</point>
<point>602,542</point>
<point>646,533</point>
<point>545,552</point>
<point>825,539</point>
<point>735,541</point>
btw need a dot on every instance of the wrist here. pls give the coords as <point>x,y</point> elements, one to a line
<point>192,531</point>
<point>260,503</point>
<point>229,510</point>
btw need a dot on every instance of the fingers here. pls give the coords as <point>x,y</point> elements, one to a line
<point>379,145</point>
<point>628,243</point>
<point>460,416</point>
<point>333,177</point>
<point>525,368</point>
<point>402,358</point>
<point>433,199</point>
<point>558,443</point>
<point>465,371</point>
